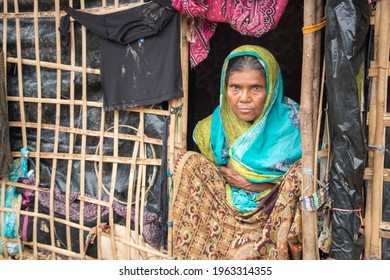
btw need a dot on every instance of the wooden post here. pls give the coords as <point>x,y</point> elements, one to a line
<point>179,142</point>
<point>309,225</point>
<point>383,60</point>
<point>371,136</point>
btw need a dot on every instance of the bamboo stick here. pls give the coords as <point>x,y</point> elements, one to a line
<point>2,204</point>
<point>107,134</point>
<point>138,211</point>
<point>52,65</point>
<point>318,86</point>
<point>173,142</point>
<point>51,14</point>
<point>108,159</point>
<point>368,174</point>
<point>84,126</point>
<point>89,104</point>
<point>4,54</point>
<point>39,115</point>
<point>371,135</point>
<point>100,179</point>
<point>318,129</point>
<point>319,14</point>
<point>112,187</point>
<point>309,226</point>
<point>383,59</point>
<point>44,216</point>
<point>130,191</point>
<point>20,75</point>
<point>5,34</point>
<point>71,135</point>
<point>184,49</point>
<point>56,130</point>
<point>141,248</point>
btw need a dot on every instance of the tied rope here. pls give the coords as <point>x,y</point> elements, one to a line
<point>359,213</point>
<point>382,149</point>
<point>314,28</point>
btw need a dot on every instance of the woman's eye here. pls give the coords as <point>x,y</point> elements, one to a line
<point>256,88</point>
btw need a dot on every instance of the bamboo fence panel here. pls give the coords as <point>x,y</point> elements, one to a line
<point>112,240</point>
<point>379,129</point>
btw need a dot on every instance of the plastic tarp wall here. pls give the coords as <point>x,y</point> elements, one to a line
<point>155,126</point>
<point>345,38</point>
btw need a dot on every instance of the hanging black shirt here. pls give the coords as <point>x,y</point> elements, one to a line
<point>140,54</point>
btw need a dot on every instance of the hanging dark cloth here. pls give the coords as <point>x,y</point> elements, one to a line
<point>346,29</point>
<point>140,54</point>
<point>5,148</point>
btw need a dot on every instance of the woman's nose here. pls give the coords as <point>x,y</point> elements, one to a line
<point>245,96</point>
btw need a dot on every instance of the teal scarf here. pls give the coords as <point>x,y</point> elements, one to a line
<point>261,151</point>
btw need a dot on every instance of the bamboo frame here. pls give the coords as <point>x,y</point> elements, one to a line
<point>383,12</point>
<point>137,161</point>
<point>370,154</point>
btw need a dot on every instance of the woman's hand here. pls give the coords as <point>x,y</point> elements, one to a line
<point>234,179</point>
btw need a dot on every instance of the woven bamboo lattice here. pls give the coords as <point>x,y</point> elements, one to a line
<point>377,173</point>
<point>108,161</point>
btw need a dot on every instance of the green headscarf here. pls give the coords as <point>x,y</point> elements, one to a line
<point>261,151</point>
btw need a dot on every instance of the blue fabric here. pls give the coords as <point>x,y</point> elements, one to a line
<point>20,169</point>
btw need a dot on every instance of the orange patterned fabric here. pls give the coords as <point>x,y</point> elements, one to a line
<point>205,226</point>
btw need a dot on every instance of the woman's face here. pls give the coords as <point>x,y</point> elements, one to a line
<point>246,92</point>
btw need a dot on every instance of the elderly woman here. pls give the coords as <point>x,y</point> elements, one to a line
<point>238,199</point>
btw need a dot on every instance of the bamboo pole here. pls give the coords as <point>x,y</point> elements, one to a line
<point>100,180</point>
<point>130,191</point>
<point>3,71</point>
<point>39,113</point>
<point>56,130</point>
<point>184,118</point>
<point>318,86</point>
<point>377,190</point>
<point>317,70</point>
<point>138,217</point>
<point>371,135</point>
<point>309,225</point>
<point>84,127</point>
<point>71,135</point>
<point>20,75</point>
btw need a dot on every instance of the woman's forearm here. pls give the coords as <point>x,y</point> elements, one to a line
<point>257,187</point>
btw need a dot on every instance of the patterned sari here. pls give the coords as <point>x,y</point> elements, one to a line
<point>206,226</point>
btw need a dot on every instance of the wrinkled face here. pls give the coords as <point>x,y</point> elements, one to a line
<point>246,92</point>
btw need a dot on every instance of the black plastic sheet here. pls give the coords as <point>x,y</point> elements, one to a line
<point>5,148</point>
<point>345,42</point>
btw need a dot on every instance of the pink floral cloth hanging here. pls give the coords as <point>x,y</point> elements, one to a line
<point>249,17</point>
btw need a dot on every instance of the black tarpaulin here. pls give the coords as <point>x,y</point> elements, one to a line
<point>154,125</point>
<point>345,40</point>
<point>5,148</point>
